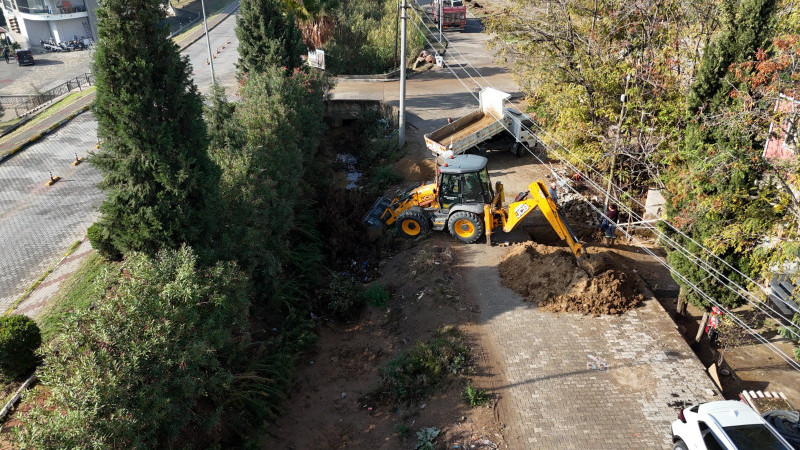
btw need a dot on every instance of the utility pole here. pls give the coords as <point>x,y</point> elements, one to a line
<point>441,12</point>
<point>401,135</point>
<point>396,33</point>
<point>208,42</point>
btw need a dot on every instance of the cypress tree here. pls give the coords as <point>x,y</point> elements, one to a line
<point>742,34</point>
<point>712,187</point>
<point>268,36</point>
<point>156,172</point>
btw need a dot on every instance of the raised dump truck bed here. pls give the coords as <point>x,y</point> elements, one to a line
<point>478,126</point>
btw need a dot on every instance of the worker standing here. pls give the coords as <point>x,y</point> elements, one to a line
<point>713,325</point>
<point>553,192</point>
<point>609,225</point>
<point>5,55</point>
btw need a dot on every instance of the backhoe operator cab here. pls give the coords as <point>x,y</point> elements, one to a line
<point>463,201</point>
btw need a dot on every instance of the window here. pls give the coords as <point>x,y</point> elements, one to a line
<point>449,191</point>
<point>473,188</point>
<point>754,436</point>
<point>709,439</point>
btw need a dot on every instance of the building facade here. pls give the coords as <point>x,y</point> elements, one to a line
<point>32,21</point>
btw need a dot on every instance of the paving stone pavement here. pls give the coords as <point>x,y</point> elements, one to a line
<point>553,398</point>
<point>37,222</point>
<point>37,299</point>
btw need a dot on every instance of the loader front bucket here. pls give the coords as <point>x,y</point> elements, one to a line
<point>374,217</point>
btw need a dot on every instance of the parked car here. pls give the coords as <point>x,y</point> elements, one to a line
<point>724,425</point>
<point>24,57</point>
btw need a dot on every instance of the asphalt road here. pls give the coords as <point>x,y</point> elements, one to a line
<point>223,48</point>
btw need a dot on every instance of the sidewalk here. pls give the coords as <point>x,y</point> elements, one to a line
<point>9,145</point>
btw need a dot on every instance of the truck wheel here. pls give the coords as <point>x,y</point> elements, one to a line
<point>412,223</point>
<point>465,226</point>
<point>679,445</point>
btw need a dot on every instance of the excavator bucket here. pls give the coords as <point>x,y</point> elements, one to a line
<point>374,217</point>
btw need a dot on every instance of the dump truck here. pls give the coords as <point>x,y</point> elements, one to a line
<point>463,201</point>
<point>491,118</point>
<point>453,12</point>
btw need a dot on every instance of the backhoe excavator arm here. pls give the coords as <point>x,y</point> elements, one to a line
<point>540,198</point>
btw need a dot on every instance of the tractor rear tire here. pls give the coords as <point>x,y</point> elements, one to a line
<point>465,226</point>
<point>412,224</point>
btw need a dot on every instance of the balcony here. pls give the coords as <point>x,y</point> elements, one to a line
<point>44,9</point>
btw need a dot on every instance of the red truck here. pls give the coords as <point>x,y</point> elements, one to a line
<point>454,14</point>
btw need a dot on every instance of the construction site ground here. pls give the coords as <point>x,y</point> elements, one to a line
<point>556,381</point>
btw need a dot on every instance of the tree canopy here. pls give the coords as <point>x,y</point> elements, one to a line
<point>156,171</point>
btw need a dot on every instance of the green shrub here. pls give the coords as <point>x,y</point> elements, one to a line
<point>102,243</point>
<point>425,438</point>
<point>402,430</point>
<point>383,177</point>
<point>131,372</point>
<point>364,38</point>
<point>376,295</point>
<point>19,340</point>
<point>412,374</point>
<point>474,397</point>
<point>344,297</point>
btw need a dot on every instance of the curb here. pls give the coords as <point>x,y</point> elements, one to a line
<point>43,133</point>
<point>14,128</point>
<point>387,77</point>
<point>210,27</point>
<point>10,405</point>
<point>72,249</point>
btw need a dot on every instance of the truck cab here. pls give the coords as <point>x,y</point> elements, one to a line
<point>453,14</point>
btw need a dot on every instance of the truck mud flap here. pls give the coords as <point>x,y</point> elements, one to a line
<point>374,217</point>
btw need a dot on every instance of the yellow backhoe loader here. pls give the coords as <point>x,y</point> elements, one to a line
<point>463,201</point>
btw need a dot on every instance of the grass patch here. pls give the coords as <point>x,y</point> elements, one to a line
<point>474,397</point>
<point>75,293</point>
<point>212,6</point>
<point>376,295</point>
<point>52,109</point>
<point>413,374</point>
<point>8,124</point>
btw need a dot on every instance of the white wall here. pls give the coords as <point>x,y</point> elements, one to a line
<point>37,31</point>
<point>64,30</point>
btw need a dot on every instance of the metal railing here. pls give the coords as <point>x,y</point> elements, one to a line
<point>49,10</point>
<point>25,104</point>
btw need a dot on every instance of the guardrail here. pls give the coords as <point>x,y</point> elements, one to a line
<point>25,104</point>
<point>43,10</point>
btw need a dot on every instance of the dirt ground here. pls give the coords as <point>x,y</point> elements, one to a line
<point>331,405</point>
<point>555,280</point>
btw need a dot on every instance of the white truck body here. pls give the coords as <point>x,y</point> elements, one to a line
<point>490,119</point>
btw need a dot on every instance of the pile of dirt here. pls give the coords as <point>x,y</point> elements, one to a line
<point>417,170</point>
<point>552,278</point>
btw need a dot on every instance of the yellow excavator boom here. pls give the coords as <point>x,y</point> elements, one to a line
<point>540,198</point>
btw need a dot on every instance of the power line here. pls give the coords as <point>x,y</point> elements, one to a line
<point>736,288</point>
<point>664,263</point>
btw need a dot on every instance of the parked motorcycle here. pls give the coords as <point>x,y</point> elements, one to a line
<point>51,46</point>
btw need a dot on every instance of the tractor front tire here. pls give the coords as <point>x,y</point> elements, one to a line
<point>412,224</point>
<point>465,226</point>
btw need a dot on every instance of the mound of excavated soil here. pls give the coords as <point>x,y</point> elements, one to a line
<point>552,278</point>
<point>417,170</point>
